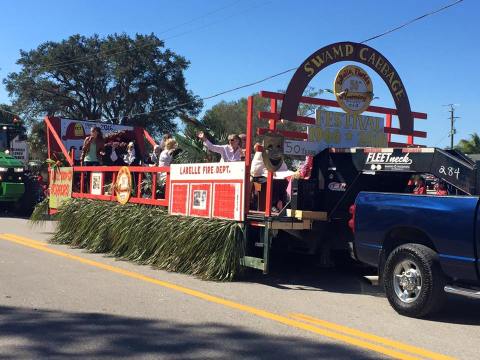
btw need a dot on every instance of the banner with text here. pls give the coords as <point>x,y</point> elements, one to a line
<point>208,190</point>
<point>74,132</point>
<point>60,186</point>
<point>340,130</point>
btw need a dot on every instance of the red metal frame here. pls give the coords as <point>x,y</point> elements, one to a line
<point>137,171</point>
<point>273,116</point>
<point>51,131</point>
<point>389,112</point>
<point>248,153</point>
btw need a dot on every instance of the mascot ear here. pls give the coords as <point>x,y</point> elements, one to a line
<point>272,151</point>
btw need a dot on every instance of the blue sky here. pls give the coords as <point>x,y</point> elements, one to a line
<point>437,57</point>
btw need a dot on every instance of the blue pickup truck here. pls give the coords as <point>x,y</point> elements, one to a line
<point>423,246</point>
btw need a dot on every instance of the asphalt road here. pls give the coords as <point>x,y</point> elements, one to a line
<point>58,302</point>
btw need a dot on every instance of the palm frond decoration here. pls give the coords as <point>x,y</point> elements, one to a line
<point>40,212</point>
<point>210,249</point>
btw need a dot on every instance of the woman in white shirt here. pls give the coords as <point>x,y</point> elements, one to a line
<point>230,152</point>
<point>166,156</point>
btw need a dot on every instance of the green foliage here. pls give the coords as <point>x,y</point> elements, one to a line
<point>108,78</point>
<point>37,141</point>
<point>6,116</point>
<point>208,248</point>
<point>470,146</point>
<point>40,212</point>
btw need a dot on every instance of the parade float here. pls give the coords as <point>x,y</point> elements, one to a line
<point>213,219</point>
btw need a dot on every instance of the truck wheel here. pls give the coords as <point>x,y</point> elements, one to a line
<point>414,281</point>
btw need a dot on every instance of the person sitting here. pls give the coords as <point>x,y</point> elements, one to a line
<point>230,152</point>
<point>166,156</point>
<point>441,189</point>
<point>420,188</point>
<point>259,173</point>
<point>130,157</point>
<point>164,139</point>
<point>257,168</point>
<point>243,145</point>
<point>155,155</point>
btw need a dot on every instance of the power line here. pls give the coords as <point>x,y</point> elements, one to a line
<point>87,58</point>
<point>412,21</point>
<point>291,69</point>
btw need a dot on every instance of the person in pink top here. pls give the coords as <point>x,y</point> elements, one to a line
<point>304,172</point>
<point>230,152</point>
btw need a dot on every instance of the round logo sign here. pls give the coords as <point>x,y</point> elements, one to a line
<point>123,185</point>
<point>353,89</point>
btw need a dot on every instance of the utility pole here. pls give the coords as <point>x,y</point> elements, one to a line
<point>452,122</point>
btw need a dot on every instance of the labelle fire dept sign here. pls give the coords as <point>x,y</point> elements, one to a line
<point>208,190</point>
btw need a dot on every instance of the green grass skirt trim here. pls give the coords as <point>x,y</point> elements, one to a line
<point>40,212</point>
<point>208,248</point>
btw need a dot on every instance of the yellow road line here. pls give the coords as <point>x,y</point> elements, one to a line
<point>371,337</point>
<point>217,300</point>
<point>21,238</point>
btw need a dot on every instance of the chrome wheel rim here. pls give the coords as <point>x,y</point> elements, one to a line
<point>407,281</point>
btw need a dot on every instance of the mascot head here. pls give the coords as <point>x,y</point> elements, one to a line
<point>272,151</point>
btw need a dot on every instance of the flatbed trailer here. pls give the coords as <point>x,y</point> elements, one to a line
<point>316,221</point>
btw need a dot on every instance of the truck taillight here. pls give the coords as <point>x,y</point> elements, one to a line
<point>351,222</point>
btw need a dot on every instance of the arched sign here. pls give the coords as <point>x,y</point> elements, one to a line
<point>348,51</point>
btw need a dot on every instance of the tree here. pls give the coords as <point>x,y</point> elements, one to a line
<point>6,114</point>
<point>471,146</point>
<point>122,80</point>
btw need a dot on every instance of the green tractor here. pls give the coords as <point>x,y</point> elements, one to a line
<point>20,190</point>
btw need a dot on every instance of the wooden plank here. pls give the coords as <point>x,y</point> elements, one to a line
<point>287,134</point>
<point>291,225</point>
<point>308,215</point>
<point>252,262</point>
<point>416,133</point>
<point>276,116</point>
<point>333,103</point>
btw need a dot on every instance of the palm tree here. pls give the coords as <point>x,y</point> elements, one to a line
<point>471,146</point>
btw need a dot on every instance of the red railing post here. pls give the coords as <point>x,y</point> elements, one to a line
<point>388,123</point>
<point>82,178</point>
<point>154,185</point>
<point>112,190</point>
<point>139,185</point>
<point>167,188</point>
<point>410,139</point>
<point>248,153</point>
<point>272,127</point>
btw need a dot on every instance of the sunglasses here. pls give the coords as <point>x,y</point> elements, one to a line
<point>231,140</point>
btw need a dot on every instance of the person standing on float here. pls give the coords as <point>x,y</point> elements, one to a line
<point>230,152</point>
<point>93,148</point>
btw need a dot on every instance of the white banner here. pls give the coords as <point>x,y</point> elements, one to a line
<point>74,132</point>
<point>208,171</point>
<point>19,150</point>
<point>341,130</point>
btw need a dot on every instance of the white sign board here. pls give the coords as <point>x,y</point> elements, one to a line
<point>74,132</point>
<point>19,150</point>
<point>208,171</point>
<point>213,190</point>
<point>341,130</point>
